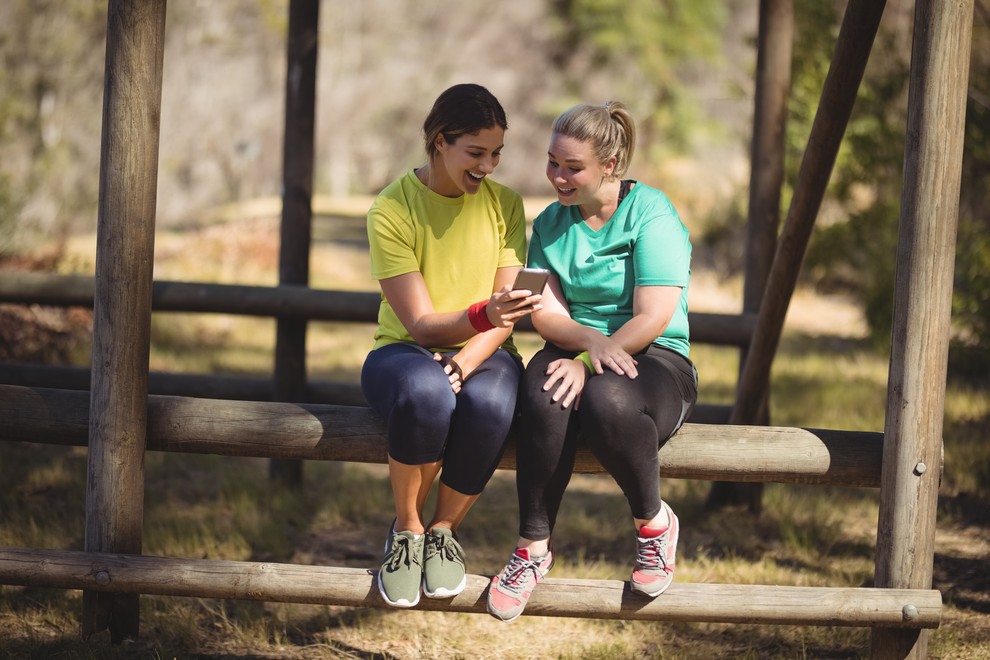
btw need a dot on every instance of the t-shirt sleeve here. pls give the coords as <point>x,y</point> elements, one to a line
<point>391,240</point>
<point>536,258</point>
<point>512,252</point>
<point>662,255</point>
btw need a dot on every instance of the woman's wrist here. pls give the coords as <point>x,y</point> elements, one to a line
<point>478,316</point>
<point>585,359</point>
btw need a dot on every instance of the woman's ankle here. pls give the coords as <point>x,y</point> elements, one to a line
<point>535,548</point>
<point>659,521</point>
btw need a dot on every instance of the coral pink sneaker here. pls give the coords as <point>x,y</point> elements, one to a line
<point>654,569</point>
<point>511,588</point>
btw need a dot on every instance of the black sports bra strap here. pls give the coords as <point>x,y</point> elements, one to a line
<point>624,189</point>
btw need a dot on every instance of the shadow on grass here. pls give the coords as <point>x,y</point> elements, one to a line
<point>43,495</point>
<point>233,498</point>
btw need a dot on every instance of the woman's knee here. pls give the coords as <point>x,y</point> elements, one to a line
<point>491,395</point>
<point>608,399</point>
<point>427,399</point>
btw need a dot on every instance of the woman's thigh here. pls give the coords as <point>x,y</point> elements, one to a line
<point>406,386</point>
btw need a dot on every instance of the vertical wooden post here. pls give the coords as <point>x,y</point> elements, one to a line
<point>852,50</point>
<point>122,304</point>
<point>773,86</point>
<point>297,209</point>
<point>912,455</point>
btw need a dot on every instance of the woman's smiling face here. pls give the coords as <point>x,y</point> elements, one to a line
<point>573,171</point>
<point>465,163</point>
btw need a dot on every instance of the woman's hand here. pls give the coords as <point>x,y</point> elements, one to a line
<point>508,305</point>
<point>571,376</point>
<point>453,370</point>
<point>606,353</point>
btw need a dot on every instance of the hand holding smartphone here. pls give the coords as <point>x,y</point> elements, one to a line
<point>531,279</point>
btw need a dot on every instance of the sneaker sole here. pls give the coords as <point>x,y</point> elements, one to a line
<point>501,616</point>
<point>642,590</point>
<point>445,593</point>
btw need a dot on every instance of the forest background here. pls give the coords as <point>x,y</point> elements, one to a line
<point>685,67</point>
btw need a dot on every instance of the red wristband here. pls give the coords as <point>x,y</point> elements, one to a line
<point>478,316</point>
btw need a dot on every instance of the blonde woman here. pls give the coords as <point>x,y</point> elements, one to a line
<point>615,369</point>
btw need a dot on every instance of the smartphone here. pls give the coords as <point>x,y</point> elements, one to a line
<point>533,279</point>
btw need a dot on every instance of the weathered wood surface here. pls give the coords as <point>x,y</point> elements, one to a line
<point>242,387</point>
<point>125,241</point>
<point>355,587</point>
<point>346,433</point>
<point>290,302</point>
<point>775,36</point>
<point>773,88</point>
<point>926,244</point>
<point>296,227</point>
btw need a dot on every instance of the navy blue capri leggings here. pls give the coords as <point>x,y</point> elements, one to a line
<point>427,422</point>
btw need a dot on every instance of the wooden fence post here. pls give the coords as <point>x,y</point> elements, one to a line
<point>297,208</point>
<point>773,88</point>
<point>122,301</point>
<point>912,456</point>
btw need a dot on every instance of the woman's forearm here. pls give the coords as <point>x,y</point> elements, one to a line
<point>479,348</point>
<point>442,329</point>
<point>639,332</point>
<point>564,332</point>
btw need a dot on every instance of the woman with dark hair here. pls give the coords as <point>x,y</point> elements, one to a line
<point>446,243</point>
<point>615,368</point>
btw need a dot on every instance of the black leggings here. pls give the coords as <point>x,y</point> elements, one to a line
<point>623,421</point>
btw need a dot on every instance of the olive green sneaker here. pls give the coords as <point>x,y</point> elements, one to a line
<point>443,571</point>
<point>402,569</point>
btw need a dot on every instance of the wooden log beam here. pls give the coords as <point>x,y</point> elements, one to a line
<point>32,288</point>
<point>242,387</point>
<point>345,433</point>
<point>560,597</point>
<point>926,250</point>
<point>296,227</point>
<point>287,301</point>
<point>775,36</point>
<point>125,249</point>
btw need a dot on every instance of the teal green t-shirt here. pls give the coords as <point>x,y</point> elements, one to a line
<point>644,243</point>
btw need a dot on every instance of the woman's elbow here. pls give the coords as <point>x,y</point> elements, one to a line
<point>423,335</point>
<point>542,322</point>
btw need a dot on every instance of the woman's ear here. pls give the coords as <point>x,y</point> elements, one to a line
<point>610,164</point>
<point>440,143</point>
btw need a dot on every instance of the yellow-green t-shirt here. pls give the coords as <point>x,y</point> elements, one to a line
<point>456,243</point>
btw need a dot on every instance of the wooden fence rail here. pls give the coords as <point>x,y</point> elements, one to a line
<point>347,433</point>
<point>354,587</point>
<point>241,387</point>
<point>287,301</point>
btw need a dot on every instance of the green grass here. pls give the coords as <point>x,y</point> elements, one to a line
<point>226,508</point>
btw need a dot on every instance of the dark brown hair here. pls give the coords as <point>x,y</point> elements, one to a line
<point>465,108</point>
